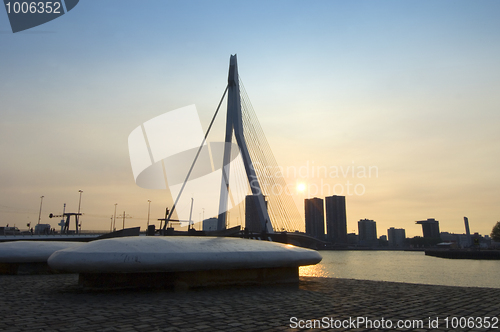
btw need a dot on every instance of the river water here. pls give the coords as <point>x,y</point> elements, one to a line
<point>406,266</point>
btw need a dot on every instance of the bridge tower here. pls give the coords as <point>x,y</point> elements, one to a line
<point>234,124</point>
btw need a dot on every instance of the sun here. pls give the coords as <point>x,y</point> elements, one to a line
<point>301,187</point>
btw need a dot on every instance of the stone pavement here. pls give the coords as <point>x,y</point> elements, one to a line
<point>55,303</point>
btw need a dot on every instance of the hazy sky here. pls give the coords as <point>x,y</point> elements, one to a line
<point>408,87</point>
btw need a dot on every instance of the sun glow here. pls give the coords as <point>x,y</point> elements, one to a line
<point>301,187</point>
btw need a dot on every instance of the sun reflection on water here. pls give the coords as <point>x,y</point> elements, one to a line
<point>317,270</point>
<point>404,266</point>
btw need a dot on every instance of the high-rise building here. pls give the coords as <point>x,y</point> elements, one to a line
<point>336,221</point>
<point>315,217</point>
<point>252,221</point>
<point>397,237</point>
<point>367,233</point>
<point>430,228</point>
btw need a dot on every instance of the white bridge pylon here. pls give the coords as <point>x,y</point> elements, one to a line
<point>234,124</point>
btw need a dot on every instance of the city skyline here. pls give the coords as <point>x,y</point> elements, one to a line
<point>407,88</point>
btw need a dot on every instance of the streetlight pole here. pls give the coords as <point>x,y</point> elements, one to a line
<point>114,219</point>
<point>79,204</point>
<point>149,209</point>
<point>40,213</point>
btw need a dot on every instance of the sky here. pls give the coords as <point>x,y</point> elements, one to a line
<point>408,89</point>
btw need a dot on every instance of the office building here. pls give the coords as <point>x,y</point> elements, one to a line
<point>397,237</point>
<point>430,228</point>
<point>461,240</point>
<point>336,221</point>
<point>315,217</point>
<point>252,221</point>
<point>367,230</point>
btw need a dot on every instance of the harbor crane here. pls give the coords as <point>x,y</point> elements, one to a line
<point>68,218</point>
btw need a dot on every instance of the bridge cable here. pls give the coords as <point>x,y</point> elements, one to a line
<point>286,205</point>
<point>281,208</point>
<point>195,159</point>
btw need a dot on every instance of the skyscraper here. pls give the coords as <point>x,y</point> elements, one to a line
<point>397,237</point>
<point>315,217</point>
<point>336,221</point>
<point>367,232</point>
<point>430,228</point>
<point>252,221</point>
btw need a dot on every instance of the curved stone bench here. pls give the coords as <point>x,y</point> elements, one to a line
<point>29,257</point>
<point>158,261</point>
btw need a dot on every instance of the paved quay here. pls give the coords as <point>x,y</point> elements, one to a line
<point>56,303</point>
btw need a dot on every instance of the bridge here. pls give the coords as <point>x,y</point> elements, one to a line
<point>260,178</point>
